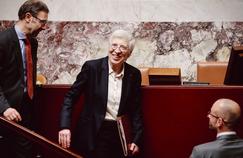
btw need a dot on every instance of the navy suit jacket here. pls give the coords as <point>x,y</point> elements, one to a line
<point>92,81</point>
<point>225,146</point>
<point>11,69</point>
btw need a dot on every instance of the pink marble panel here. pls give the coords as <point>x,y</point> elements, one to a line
<point>65,46</point>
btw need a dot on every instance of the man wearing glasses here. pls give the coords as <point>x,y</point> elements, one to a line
<point>18,57</point>
<point>223,117</point>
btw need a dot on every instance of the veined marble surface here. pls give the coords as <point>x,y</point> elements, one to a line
<point>65,46</point>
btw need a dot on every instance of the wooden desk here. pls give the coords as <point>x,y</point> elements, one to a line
<point>174,116</point>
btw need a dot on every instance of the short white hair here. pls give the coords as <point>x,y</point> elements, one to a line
<point>122,34</point>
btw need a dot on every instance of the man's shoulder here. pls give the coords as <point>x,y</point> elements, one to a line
<point>6,31</point>
<point>219,149</point>
<point>203,150</point>
<point>6,34</point>
<point>206,146</point>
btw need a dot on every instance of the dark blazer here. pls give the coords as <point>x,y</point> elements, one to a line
<point>92,81</point>
<point>11,69</point>
<point>226,146</point>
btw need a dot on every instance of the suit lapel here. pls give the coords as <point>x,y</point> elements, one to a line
<point>17,50</point>
<point>126,81</point>
<point>125,88</point>
<point>104,80</point>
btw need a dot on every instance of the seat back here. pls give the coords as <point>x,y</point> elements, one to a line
<point>145,76</point>
<point>211,72</point>
<point>41,79</point>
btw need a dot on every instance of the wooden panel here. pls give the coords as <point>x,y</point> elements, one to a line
<point>174,116</point>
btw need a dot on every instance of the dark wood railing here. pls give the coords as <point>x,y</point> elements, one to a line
<point>40,140</point>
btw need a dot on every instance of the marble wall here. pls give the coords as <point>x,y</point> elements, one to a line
<point>65,46</point>
<point>169,33</point>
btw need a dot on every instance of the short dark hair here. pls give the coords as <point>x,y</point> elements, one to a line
<point>33,7</point>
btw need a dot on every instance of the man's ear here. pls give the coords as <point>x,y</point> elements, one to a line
<point>220,122</point>
<point>28,17</point>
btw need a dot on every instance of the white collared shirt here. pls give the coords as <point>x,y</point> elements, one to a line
<point>226,133</point>
<point>21,37</point>
<point>114,93</point>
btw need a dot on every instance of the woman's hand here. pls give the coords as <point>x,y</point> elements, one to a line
<point>64,138</point>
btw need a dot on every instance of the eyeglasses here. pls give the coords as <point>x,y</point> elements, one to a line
<point>43,22</point>
<point>217,117</point>
<point>122,48</point>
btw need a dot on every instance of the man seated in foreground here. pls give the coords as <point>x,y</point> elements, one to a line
<point>223,117</point>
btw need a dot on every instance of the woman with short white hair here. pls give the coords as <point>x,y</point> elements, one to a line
<point>111,88</point>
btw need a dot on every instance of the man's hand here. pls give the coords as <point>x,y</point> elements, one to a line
<point>12,114</point>
<point>134,149</point>
<point>64,138</point>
